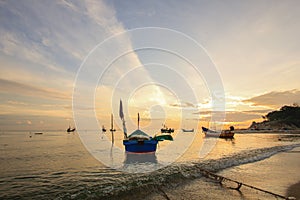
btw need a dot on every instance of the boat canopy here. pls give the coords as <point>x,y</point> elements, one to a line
<point>138,134</point>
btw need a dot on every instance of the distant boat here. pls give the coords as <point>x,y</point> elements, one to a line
<point>165,129</point>
<point>224,133</point>
<point>103,129</point>
<point>71,129</point>
<point>38,133</point>
<point>187,130</point>
<point>139,141</point>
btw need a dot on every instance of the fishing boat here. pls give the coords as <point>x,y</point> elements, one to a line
<point>139,141</point>
<point>165,129</point>
<point>71,129</point>
<point>187,130</point>
<point>223,134</point>
<point>103,129</point>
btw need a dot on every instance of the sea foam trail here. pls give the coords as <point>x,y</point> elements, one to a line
<point>177,173</point>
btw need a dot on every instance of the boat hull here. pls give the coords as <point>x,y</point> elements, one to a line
<point>223,134</point>
<point>187,130</point>
<point>165,130</point>
<point>140,146</point>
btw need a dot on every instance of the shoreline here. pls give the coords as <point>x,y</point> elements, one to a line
<point>268,131</point>
<point>207,188</point>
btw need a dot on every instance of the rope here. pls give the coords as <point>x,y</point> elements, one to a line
<point>219,178</point>
<point>163,193</point>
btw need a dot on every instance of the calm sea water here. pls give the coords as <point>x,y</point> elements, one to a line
<point>56,165</point>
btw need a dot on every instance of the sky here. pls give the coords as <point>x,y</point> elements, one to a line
<point>69,62</point>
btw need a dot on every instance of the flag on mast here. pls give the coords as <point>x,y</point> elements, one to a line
<point>121,114</point>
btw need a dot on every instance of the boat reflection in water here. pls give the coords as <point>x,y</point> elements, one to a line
<point>137,158</point>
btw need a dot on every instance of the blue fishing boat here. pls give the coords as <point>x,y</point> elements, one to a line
<point>138,141</point>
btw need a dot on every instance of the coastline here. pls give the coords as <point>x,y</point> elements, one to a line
<point>245,131</point>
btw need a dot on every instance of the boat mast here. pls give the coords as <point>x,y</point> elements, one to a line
<point>138,120</point>
<point>112,128</point>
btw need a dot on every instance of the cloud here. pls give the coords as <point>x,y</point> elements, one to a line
<point>183,105</point>
<point>55,110</point>
<point>56,35</point>
<point>12,87</point>
<point>235,116</point>
<point>103,15</point>
<point>275,99</point>
<point>33,122</point>
<point>17,103</point>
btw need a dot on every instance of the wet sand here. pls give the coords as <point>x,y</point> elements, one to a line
<point>204,188</point>
<point>277,174</point>
<point>294,191</point>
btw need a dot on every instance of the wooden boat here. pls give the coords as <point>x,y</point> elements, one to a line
<point>71,129</point>
<point>138,141</point>
<point>187,130</point>
<point>165,129</point>
<point>223,134</point>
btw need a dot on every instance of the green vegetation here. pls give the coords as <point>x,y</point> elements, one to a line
<point>287,115</point>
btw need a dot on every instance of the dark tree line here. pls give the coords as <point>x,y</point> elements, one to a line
<point>289,115</point>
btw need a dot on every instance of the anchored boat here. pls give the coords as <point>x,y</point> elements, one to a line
<point>224,133</point>
<point>165,129</point>
<point>187,130</point>
<point>71,129</point>
<point>139,141</point>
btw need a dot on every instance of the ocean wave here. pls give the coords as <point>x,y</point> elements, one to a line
<point>106,183</point>
<point>135,186</point>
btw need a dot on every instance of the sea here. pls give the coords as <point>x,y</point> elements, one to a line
<point>58,165</point>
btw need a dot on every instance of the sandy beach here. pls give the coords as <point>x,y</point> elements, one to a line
<point>280,177</point>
